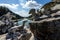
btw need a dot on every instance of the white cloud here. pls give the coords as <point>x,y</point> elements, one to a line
<point>31,4</point>
<point>12,6</point>
<point>15,8</point>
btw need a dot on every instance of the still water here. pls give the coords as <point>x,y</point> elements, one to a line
<point>26,24</point>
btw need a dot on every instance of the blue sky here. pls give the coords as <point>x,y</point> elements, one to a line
<point>22,7</point>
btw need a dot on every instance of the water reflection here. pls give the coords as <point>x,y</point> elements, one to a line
<point>26,24</point>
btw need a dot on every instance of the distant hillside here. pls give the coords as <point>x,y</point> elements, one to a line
<point>7,19</point>
<point>5,11</point>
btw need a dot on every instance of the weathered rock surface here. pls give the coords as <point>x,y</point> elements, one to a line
<point>42,28</point>
<point>7,19</point>
<point>47,29</point>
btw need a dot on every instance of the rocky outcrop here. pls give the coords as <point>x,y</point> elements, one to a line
<point>19,33</point>
<point>47,29</point>
<point>42,27</point>
<point>7,19</point>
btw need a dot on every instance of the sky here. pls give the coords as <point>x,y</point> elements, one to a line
<point>22,7</point>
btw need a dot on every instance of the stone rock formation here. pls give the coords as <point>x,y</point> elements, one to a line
<point>8,18</point>
<point>42,27</point>
<point>19,33</point>
<point>47,28</point>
